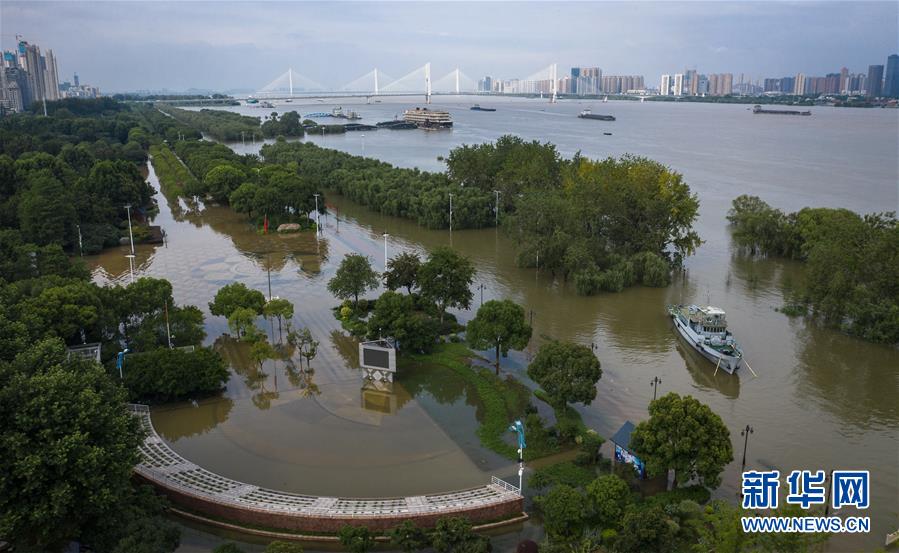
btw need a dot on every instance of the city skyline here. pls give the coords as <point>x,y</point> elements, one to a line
<point>122,47</point>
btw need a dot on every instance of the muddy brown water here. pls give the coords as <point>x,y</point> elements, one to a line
<point>822,400</point>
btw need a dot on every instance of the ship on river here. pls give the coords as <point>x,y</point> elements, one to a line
<point>758,109</point>
<point>428,119</point>
<point>587,114</point>
<point>705,330</point>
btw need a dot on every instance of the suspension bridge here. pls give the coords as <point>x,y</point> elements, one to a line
<point>419,81</point>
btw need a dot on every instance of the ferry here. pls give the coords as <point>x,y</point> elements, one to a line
<point>428,119</point>
<point>588,114</point>
<point>705,330</point>
<point>477,107</point>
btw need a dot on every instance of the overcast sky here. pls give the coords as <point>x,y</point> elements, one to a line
<point>228,45</point>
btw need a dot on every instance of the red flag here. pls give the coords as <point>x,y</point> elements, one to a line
<point>265,224</point>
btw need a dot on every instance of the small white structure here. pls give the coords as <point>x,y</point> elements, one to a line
<point>91,351</point>
<point>378,359</point>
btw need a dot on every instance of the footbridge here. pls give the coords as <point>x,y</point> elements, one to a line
<point>200,491</point>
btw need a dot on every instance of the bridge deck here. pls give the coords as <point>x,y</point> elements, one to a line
<point>167,469</point>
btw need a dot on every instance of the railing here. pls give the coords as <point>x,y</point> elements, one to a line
<point>138,408</point>
<point>505,485</point>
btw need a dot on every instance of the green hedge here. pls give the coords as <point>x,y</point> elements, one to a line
<point>174,176</point>
<point>168,374</point>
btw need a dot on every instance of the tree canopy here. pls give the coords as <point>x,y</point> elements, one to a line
<point>685,436</point>
<point>566,371</point>
<point>402,272</point>
<point>499,324</point>
<point>236,295</point>
<point>354,276</point>
<point>446,278</point>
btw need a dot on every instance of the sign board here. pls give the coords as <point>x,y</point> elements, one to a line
<point>378,359</point>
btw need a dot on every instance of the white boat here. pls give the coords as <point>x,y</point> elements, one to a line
<point>705,330</point>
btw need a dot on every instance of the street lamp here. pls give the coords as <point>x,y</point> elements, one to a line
<point>317,220</point>
<point>518,428</point>
<point>496,209</point>
<point>745,433</point>
<point>131,238</point>
<point>363,145</point>
<point>655,386</point>
<point>482,287</point>
<point>532,313</point>
<point>386,236</point>
<point>451,212</point>
<point>120,360</point>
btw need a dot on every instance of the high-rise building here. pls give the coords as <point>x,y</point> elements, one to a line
<point>799,84</point>
<point>787,84</point>
<point>691,82</point>
<point>679,84</point>
<point>665,85</point>
<point>702,86</point>
<point>874,81</point>
<point>726,84</point>
<point>51,76</point>
<point>486,80</point>
<point>844,80</point>
<point>832,83</point>
<point>891,83</point>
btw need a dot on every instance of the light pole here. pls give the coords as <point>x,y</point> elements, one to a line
<point>80,244</point>
<point>496,209</point>
<point>386,236</point>
<point>518,428</point>
<point>317,225</point>
<point>131,238</point>
<point>655,386</point>
<point>745,433</point>
<point>168,329</point>
<point>482,287</point>
<point>451,211</point>
<point>531,315</point>
<point>363,145</point>
<point>120,360</point>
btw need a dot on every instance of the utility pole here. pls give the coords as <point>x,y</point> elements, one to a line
<point>655,386</point>
<point>451,212</point>
<point>496,209</point>
<point>168,329</point>
<point>386,236</point>
<point>131,238</point>
<point>482,287</point>
<point>317,221</point>
<point>745,432</point>
<point>268,268</point>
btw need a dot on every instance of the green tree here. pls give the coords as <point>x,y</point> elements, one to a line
<point>686,436</point>
<point>402,272</point>
<point>719,530</point>
<point>396,315</point>
<point>235,295</point>
<point>280,308</point>
<point>261,351</point>
<point>566,371</point>
<point>46,211</point>
<point>170,374</point>
<point>283,547</point>
<point>222,180</point>
<point>607,498</point>
<point>564,514</point>
<point>445,278</point>
<point>66,309</point>
<point>243,199</point>
<point>454,534</point>
<point>242,321</point>
<point>500,324</point>
<point>409,537</point>
<point>68,448</point>
<point>357,539</point>
<point>646,529</point>
<point>354,277</point>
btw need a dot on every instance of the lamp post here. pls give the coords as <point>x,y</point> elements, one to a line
<point>317,220</point>
<point>80,244</point>
<point>482,287</point>
<point>531,313</point>
<point>120,360</point>
<point>363,145</point>
<point>655,386</point>
<point>386,236</point>
<point>496,209</point>
<point>130,256</point>
<point>451,212</point>
<point>518,428</point>
<point>745,433</point>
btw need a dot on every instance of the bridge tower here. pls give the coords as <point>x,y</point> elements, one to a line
<point>290,80</point>
<point>555,83</point>
<point>457,80</point>
<point>376,81</point>
<point>428,83</point>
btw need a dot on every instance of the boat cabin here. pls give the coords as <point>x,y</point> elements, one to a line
<point>708,319</point>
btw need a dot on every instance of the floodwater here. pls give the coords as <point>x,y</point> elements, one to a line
<point>822,400</point>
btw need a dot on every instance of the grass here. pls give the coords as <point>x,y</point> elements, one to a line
<point>503,400</point>
<point>173,175</point>
<point>566,472</point>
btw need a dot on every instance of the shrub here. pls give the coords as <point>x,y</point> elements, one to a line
<point>168,374</point>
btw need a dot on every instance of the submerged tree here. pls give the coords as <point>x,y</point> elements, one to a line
<point>355,276</point>
<point>499,324</point>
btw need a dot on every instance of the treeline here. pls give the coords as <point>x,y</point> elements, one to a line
<point>174,176</point>
<point>278,192</point>
<point>163,126</point>
<point>67,174</point>
<point>289,124</point>
<point>852,261</point>
<point>608,224</point>
<point>408,193</point>
<point>222,125</point>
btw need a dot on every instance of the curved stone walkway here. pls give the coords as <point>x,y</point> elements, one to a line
<point>198,489</point>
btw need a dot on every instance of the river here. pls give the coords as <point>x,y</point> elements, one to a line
<point>822,400</point>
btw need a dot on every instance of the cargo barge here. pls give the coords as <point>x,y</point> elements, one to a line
<point>758,109</point>
<point>587,114</point>
<point>477,107</point>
